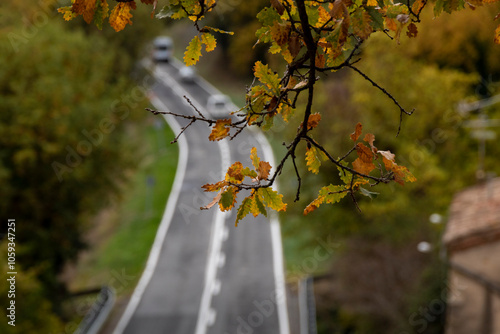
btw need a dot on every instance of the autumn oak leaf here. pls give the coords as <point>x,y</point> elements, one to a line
<point>120,15</point>
<point>220,130</point>
<point>364,163</point>
<point>357,132</point>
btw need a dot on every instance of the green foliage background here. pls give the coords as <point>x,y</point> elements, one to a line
<point>69,118</point>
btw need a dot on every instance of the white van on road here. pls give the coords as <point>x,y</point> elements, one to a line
<point>163,48</point>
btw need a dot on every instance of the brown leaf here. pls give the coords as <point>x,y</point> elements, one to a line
<point>357,132</point>
<point>214,201</point>
<point>220,130</point>
<point>362,167</point>
<point>370,138</point>
<point>264,169</point>
<point>313,121</point>
<point>364,163</point>
<point>320,60</point>
<point>339,10</point>
<point>412,30</point>
<point>234,173</point>
<point>272,104</point>
<point>294,45</point>
<point>278,6</point>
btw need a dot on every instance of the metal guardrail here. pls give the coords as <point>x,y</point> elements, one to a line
<point>98,313</point>
<point>307,306</point>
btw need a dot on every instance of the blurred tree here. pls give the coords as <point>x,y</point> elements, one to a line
<point>33,311</point>
<point>66,124</point>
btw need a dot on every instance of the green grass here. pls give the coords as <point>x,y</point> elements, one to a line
<point>119,256</point>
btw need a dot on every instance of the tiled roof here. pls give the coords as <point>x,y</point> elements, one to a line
<point>474,216</point>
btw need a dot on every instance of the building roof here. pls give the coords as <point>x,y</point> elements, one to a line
<point>474,216</point>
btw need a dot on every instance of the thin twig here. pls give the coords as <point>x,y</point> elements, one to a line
<point>389,95</point>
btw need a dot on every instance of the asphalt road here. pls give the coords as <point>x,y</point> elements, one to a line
<point>204,275</point>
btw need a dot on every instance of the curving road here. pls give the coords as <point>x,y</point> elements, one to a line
<point>203,274</point>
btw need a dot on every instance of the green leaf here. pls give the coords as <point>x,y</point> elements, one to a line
<point>258,207</point>
<point>267,77</point>
<point>268,16</point>
<point>228,199</point>
<point>345,176</point>
<point>272,199</point>
<point>333,193</point>
<point>244,209</point>
<point>101,12</point>
<point>167,11</point>
<point>193,51</point>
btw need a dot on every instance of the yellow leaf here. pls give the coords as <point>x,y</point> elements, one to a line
<point>120,15</point>
<point>313,159</point>
<point>220,130</point>
<point>209,41</point>
<point>372,3</point>
<point>67,13</point>
<point>324,17</point>
<point>255,158</point>
<point>193,51</point>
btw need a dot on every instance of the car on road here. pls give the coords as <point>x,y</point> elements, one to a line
<point>218,105</point>
<point>187,74</point>
<point>163,48</point>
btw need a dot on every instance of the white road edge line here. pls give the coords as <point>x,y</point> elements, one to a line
<point>279,267</point>
<point>164,225</point>
<point>206,315</point>
<point>279,275</point>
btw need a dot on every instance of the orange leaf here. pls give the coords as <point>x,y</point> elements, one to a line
<point>313,121</point>
<point>320,60</point>
<point>214,187</point>
<point>78,7</point>
<point>357,132</point>
<point>120,15</point>
<point>234,173</point>
<point>364,163</point>
<point>220,130</point>
<point>370,138</point>
<point>88,13</point>
<point>497,35</point>
<point>363,167</point>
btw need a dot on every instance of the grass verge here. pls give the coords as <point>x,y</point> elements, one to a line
<point>123,234</point>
